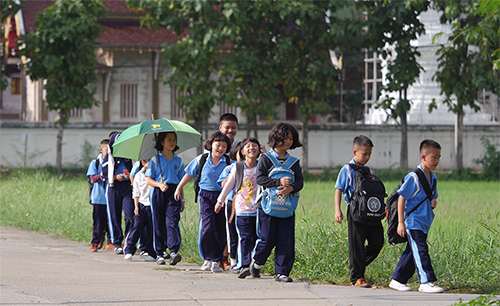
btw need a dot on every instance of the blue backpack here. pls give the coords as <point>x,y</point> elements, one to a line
<point>273,203</point>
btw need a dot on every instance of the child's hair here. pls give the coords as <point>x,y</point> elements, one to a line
<point>104,141</point>
<point>235,149</point>
<point>429,143</point>
<point>229,117</point>
<point>280,132</point>
<point>145,161</point>
<point>159,139</point>
<point>362,141</point>
<point>217,136</point>
<point>244,142</point>
<point>111,134</point>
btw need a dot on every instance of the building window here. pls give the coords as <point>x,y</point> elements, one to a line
<point>128,101</point>
<point>175,111</point>
<point>76,113</point>
<point>16,86</point>
<point>373,79</point>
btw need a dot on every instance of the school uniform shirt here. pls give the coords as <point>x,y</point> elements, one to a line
<point>172,170</point>
<point>222,177</point>
<point>135,168</point>
<point>98,194</point>
<point>141,189</point>
<point>344,181</point>
<point>413,192</point>
<point>210,172</point>
<point>244,198</point>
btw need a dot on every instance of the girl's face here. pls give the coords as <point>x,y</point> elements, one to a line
<point>219,148</point>
<point>169,142</point>
<point>287,143</point>
<point>251,150</point>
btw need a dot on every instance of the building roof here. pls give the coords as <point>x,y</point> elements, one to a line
<point>121,28</point>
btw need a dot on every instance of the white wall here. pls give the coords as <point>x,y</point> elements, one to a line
<point>329,146</point>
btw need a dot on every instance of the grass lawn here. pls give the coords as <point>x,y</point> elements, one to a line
<point>464,238</point>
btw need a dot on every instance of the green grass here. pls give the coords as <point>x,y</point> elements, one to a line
<point>464,238</point>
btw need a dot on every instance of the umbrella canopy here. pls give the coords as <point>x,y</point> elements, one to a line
<point>138,141</point>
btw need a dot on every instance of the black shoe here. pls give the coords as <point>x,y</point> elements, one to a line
<point>282,278</point>
<point>253,270</point>
<point>175,258</point>
<point>244,272</point>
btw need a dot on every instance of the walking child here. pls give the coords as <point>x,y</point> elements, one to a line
<point>98,198</point>
<point>212,233</point>
<point>358,232</point>
<point>416,225</point>
<point>143,223</point>
<point>243,180</point>
<point>164,173</point>
<point>277,232</point>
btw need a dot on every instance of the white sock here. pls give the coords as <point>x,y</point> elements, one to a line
<point>233,262</point>
<point>256,266</point>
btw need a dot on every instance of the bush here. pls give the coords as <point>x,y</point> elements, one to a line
<point>490,161</point>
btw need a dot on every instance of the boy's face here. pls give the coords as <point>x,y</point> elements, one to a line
<point>229,128</point>
<point>362,154</point>
<point>104,150</point>
<point>430,158</point>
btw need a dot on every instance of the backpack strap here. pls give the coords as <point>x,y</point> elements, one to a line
<point>240,172</point>
<point>425,184</point>
<point>291,161</point>
<point>356,168</point>
<point>272,159</point>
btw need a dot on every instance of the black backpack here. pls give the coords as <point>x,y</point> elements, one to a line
<point>197,179</point>
<point>392,207</point>
<point>366,203</point>
<point>90,181</point>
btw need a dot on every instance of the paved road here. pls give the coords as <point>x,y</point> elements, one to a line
<point>46,270</point>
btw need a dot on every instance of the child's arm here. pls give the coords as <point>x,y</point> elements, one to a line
<point>179,192</point>
<point>151,182</point>
<point>401,216</point>
<point>433,203</point>
<point>230,182</point>
<point>136,203</point>
<point>338,212</point>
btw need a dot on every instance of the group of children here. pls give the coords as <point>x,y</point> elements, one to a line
<point>230,178</point>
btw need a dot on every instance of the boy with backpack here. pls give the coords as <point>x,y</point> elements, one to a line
<point>415,216</point>
<point>364,195</point>
<point>98,198</point>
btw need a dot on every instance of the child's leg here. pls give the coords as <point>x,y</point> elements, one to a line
<point>114,209</point>
<point>207,242</point>
<point>232,233</point>
<point>147,233</point>
<point>418,243</point>
<point>375,243</point>
<point>173,213</point>
<point>266,231</point>
<point>405,267</point>
<point>356,233</point>
<point>284,254</point>
<point>133,235</point>
<point>99,222</point>
<point>220,235</point>
<point>158,209</point>
<point>128,211</point>
<point>245,225</point>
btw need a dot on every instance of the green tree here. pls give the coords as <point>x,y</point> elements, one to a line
<point>465,63</point>
<point>391,38</point>
<point>61,51</point>
<point>7,8</point>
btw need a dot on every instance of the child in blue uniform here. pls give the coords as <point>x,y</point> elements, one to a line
<point>416,226</point>
<point>143,223</point>
<point>119,194</point>
<point>274,231</point>
<point>245,204</point>
<point>165,171</point>
<point>360,255</point>
<point>98,199</point>
<point>212,234</point>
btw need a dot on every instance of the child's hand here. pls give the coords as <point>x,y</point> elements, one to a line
<point>126,174</point>
<point>433,203</point>
<point>285,181</point>
<point>284,190</point>
<point>218,207</point>
<point>119,177</point>
<point>339,216</point>
<point>401,229</point>
<point>164,188</point>
<point>136,211</point>
<point>183,204</point>
<point>177,194</point>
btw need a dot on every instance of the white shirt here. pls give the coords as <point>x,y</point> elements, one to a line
<point>141,189</point>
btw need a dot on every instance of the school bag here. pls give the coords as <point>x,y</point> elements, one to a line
<point>197,179</point>
<point>392,207</point>
<point>366,203</point>
<point>273,203</point>
<point>91,185</point>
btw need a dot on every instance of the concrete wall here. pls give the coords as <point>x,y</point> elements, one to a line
<point>329,145</point>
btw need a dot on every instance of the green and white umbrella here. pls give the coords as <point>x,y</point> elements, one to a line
<point>138,141</point>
